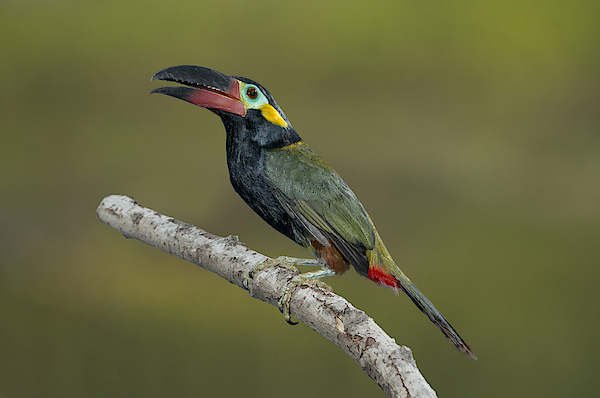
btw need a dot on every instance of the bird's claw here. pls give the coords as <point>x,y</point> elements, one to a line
<point>282,261</point>
<point>307,279</point>
<point>295,283</point>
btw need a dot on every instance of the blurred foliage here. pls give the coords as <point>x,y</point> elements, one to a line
<point>470,130</point>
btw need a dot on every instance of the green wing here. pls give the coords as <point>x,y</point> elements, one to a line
<point>317,193</point>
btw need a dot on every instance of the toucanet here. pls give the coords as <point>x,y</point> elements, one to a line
<point>287,184</point>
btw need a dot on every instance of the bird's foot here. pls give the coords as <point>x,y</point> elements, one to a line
<point>281,261</point>
<point>308,279</point>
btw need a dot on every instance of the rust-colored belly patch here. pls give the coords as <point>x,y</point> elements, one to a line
<point>333,259</point>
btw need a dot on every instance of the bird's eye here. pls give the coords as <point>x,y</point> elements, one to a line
<point>252,93</point>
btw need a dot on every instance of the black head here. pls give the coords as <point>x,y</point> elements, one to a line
<point>247,109</point>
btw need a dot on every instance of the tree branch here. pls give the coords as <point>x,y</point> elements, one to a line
<point>330,315</point>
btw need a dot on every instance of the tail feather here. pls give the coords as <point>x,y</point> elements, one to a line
<point>435,316</point>
<point>384,271</point>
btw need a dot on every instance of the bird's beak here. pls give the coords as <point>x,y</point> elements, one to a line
<point>206,88</point>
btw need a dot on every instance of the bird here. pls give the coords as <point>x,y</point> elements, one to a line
<point>292,188</point>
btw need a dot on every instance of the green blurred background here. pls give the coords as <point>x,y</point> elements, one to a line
<point>470,131</point>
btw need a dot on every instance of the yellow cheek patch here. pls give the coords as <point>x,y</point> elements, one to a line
<point>272,115</point>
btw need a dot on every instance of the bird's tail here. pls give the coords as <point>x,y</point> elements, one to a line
<point>384,271</point>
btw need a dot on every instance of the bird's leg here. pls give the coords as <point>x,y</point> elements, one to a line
<point>308,279</point>
<point>281,261</point>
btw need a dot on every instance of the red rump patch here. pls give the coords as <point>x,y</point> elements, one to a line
<point>380,276</point>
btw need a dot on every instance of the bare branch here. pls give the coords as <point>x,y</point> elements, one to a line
<point>390,365</point>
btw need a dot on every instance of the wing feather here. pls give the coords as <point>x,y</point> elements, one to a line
<point>315,193</point>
